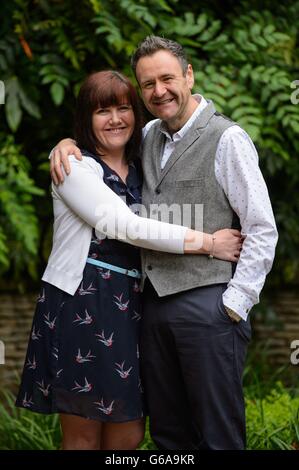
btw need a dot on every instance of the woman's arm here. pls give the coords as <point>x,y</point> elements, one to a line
<point>86,194</point>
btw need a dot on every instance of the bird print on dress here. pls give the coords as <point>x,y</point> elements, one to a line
<point>31,364</point>
<point>96,241</point>
<point>106,274</point>
<point>106,341</point>
<point>81,359</point>
<point>35,335</point>
<point>51,324</point>
<point>136,287</point>
<point>89,290</point>
<point>107,410</point>
<point>44,389</point>
<point>55,353</point>
<point>42,297</point>
<point>112,178</point>
<point>27,402</point>
<point>136,316</point>
<point>124,374</point>
<point>123,306</point>
<point>87,387</point>
<point>84,321</point>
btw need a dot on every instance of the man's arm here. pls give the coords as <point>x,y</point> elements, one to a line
<point>59,156</point>
<point>238,173</point>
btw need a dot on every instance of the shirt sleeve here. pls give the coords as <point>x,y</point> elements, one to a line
<point>238,173</point>
<point>148,126</point>
<point>86,194</point>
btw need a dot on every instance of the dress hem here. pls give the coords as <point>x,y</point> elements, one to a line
<point>80,415</point>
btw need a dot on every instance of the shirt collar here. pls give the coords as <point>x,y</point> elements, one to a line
<point>202,103</point>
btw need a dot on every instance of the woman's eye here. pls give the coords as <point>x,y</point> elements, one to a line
<point>125,108</point>
<point>102,111</point>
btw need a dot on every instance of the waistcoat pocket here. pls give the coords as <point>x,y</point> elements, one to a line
<point>189,183</point>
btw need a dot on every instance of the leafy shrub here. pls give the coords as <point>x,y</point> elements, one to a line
<point>273,421</point>
<point>19,232</point>
<point>22,430</point>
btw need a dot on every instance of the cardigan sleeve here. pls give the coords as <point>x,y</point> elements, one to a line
<point>86,194</point>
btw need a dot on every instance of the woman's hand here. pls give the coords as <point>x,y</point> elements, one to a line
<point>224,244</point>
<point>60,156</point>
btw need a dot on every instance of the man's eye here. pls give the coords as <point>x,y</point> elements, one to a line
<point>148,85</point>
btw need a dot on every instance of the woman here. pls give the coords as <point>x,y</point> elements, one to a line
<point>82,358</point>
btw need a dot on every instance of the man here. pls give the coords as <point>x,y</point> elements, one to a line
<point>195,326</point>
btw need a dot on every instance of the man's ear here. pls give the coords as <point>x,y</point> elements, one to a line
<point>190,76</point>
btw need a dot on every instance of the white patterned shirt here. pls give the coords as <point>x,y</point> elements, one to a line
<point>238,173</point>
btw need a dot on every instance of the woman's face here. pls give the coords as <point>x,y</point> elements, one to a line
<point>113,126</point>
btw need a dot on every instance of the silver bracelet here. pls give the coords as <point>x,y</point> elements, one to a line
<point>211,255</point>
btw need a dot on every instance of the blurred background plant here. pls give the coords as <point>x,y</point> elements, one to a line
<point>245,58</point>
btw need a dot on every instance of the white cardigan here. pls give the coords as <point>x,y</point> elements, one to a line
<point>84,201</point>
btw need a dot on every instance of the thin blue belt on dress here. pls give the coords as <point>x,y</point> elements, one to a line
<point>112,267</point>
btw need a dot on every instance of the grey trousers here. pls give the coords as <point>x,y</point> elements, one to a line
<point>192,360</point>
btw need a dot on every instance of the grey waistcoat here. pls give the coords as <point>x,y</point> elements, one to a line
<point>187,178</point>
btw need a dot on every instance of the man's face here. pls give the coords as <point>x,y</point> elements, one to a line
<point>166,91</point>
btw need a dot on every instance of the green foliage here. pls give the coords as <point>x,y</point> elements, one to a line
<point>273,421</point>
<point>22,430</point>
<point>19,232</point>
<point>245,58</point>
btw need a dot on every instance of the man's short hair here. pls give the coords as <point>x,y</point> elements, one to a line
<point>152,44</point>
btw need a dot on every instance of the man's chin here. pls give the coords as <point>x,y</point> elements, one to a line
<point>164,114</point>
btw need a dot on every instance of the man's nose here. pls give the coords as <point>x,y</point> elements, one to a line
<point>159,89</point>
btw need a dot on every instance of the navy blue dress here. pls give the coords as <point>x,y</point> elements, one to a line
<point>83,353</point>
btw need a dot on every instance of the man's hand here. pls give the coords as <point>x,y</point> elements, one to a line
<point>60,156</point>
<point>235,318</point>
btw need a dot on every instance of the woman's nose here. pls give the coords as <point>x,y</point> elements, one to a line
<point>115,116</point>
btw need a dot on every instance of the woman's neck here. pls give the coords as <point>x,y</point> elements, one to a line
<point>117,159</point>
<point>118,163</point>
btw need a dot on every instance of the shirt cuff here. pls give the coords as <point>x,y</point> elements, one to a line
<point>237,301</point>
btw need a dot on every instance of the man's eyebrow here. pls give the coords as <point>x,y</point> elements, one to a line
<point>146,80</point>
